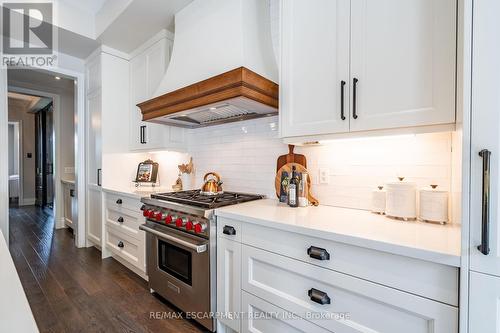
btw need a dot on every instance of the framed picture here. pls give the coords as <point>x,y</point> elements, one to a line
<point>147,172</point>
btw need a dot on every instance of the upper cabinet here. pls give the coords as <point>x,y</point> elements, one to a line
<point>314,87</point>
<point>359,65</point>
<point>146,71</point>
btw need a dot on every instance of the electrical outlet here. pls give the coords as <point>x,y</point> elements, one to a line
<point>324,176</point>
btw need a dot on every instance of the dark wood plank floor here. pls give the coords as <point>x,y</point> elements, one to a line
<point>73,290</point>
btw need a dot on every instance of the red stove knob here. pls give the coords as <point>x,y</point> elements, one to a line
<point>159,216</point>
<point>168,219</point>
<point>145,212</point>
<point>180,222</point>
<point>151,214</point>
<point>189,225</point>
<point>199,228</point>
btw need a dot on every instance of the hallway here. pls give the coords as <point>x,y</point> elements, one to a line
<point>73,290</point>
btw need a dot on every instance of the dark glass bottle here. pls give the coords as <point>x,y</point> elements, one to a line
<point>293,189</point>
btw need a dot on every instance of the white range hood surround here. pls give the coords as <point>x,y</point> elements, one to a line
<point>215,36</point>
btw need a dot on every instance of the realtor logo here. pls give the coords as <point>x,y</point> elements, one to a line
<point>28,34</point>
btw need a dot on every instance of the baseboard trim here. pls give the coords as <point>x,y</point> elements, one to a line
<point>27,202</point>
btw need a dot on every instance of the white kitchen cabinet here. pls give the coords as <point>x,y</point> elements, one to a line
<point>397,58</point>
<point>146,71</point>
<point>484,277</point>
<point>314,67</point>
<point>403,54</point>
<point>265,317</point>
<point>229,282</point>
<point>485,135</point>
<point>106,98</point>
<point>94,167</point>
<point>262,270</point>
<point>484,297</point>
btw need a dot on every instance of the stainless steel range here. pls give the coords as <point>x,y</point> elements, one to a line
<point>181,249</point>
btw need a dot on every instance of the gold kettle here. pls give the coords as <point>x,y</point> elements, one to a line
<point>213,184</point>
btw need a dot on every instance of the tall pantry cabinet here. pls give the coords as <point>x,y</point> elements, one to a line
<point>107,83</point>
<point>484,250</point>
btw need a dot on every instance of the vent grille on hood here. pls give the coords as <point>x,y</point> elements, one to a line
<point>214,114</point>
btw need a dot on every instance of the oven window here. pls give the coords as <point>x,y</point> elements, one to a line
<point>174,261</point>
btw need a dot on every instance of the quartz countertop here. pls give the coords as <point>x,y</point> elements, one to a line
<point>431,242</point>
<point>136,193</point>
<point>15,311</point>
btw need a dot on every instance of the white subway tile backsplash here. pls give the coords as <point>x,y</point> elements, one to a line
<point>245,154</point>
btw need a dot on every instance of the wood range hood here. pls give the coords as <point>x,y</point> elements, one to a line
<point>236,95</point>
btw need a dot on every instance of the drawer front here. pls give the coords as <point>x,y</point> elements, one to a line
<point>229,229</point>
<point>427,279</point>
<point>134,205</point>
<point>348,304</point>
<point>125,222</point>
<point>261,316</point>
<point>133,250</point>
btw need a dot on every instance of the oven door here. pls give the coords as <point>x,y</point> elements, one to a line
<point>178,266</point>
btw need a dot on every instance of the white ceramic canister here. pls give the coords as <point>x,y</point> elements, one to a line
<point>401,201</point>
<point>433,205</point>
<point>378,200</point>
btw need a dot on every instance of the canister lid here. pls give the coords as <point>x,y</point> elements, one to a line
<point>433,188</point>
<point>401,184</point>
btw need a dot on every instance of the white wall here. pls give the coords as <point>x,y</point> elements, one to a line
<point>27,128</point>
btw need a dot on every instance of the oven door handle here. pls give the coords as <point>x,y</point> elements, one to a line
<point>198,248</point>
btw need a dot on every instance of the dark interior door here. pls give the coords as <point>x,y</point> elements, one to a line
<point>44,154</point>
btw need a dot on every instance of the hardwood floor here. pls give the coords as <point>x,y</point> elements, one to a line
<point>73,290</point>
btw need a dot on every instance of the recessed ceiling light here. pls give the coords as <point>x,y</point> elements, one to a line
<point>57,78</point>
<point>213,108</point>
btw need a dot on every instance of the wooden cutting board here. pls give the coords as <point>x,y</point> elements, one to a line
<point>299,168</point>
<point>291,158</point>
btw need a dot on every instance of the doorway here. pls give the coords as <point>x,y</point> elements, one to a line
<point>44,157</point>
<point>14,174</point>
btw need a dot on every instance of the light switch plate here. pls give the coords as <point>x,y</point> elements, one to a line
<point>69,170</point>
<point>324,176</point>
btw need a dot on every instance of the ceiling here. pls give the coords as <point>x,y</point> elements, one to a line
<point>27,103</point>
<point>141,20</point>
<point>32,77</point>
<point>92,6</point>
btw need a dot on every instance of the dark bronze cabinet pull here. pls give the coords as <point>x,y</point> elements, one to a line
<point>354,86</point>
<point>318,296</point>
<point>342,115</point>
<point>228,230</point>
<point>318,253</point>
<point>121,245</point>
<point>484,248</point>
<point>99,177</point>
<point>119,201</point>
<point>120,219</point>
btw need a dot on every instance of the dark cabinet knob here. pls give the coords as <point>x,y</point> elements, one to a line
<point>143,207</point>
<point>119,201</point>
<point>228,230</point>
<point>318,296</point>
<point>120,219</point>
<point>318,253</point>
<point>121,245</point>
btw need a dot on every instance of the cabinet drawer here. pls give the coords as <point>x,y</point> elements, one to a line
<point>368,307</point>
<point>228,228</point>
<point>265,317</point>
<point>129,223</point>
<point>133,250</point>
<point>427,279</point>
<point>112,201</point>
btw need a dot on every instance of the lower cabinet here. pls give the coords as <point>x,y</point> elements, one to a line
<point>229,282</point>
<point>483,303</point>
<point>263,289</point>
<point>265,317</point>
<point>122,218</point>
